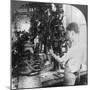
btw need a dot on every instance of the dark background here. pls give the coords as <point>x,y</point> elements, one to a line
<point>16,4</point>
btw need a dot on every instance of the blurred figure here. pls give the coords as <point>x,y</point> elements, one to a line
<point>73,58</point>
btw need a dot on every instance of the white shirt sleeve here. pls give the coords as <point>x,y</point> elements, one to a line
<point>63,58</point>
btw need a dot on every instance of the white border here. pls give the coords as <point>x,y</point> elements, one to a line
<point>62,1</point>
<point>5,43</point>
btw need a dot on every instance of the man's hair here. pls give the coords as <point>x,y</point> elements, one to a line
<point>73,27</point>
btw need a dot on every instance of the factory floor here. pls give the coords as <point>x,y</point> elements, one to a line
<point>47,79</point>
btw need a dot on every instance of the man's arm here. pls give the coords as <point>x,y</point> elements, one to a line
<point>60,59</point>
<point>57,58</point>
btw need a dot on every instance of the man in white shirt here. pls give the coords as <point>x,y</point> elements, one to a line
<point>73,58</point>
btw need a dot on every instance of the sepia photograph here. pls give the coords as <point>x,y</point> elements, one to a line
<point>49,44</point>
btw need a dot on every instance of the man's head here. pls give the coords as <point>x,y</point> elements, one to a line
<point>73,27</point>
<point>72,31</point>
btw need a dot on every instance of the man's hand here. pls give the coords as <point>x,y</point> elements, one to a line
<point>51,51</point>
<point>56,57</point>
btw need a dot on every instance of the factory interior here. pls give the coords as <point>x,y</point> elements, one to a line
<point>35,29</point>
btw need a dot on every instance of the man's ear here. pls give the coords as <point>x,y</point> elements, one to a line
<point>72,32</point>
